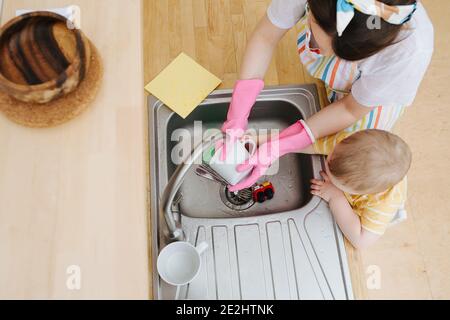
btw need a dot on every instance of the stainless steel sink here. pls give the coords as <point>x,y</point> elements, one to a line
<point>294,171</point>
<point>287,248</point>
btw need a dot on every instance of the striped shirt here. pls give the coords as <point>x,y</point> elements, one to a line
<point>377,211</point>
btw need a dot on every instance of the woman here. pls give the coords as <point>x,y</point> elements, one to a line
<point>372,56</point>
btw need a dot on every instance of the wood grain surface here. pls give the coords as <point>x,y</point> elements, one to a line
<point>74,198</point>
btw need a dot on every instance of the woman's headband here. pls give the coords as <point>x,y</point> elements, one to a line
<point>391,14</point>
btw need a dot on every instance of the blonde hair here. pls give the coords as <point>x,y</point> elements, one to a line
<point>370,161</point>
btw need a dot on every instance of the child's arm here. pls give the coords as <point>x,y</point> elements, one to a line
<point>350,223</point>
<point>347,220</point>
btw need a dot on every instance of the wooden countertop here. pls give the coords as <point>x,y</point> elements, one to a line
<point>77,194</point>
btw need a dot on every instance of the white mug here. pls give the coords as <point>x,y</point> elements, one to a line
<point>236,154</point>
<point>179,263</point>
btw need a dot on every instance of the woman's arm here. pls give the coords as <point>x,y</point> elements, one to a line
<point>256,61</point>
<point>336,117</point>
<point>260,48</point>
<point>330,120</point>
<point>261,137</point>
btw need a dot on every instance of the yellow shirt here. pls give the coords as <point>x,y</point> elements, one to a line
<point>376,211</point>
<point>327,144</point>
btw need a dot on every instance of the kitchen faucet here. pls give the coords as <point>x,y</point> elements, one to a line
<point>175,231</point>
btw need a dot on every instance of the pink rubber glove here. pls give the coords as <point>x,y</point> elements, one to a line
<point>244,96</point>
<point>295,138</point>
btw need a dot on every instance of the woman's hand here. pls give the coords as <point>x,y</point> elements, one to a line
<point>290,140</point>
<point>325,189</point>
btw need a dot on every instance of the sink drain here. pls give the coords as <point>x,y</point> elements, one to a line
<point>240,201</point>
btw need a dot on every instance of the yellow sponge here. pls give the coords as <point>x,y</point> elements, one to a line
<point>183,85</point>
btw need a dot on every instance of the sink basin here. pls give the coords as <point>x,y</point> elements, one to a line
<point>294,171</point>
<point>287,248</point>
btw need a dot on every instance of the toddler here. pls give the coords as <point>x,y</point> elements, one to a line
<point>365,184</point>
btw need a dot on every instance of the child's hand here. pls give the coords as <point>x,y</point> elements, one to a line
<point>325,189</point>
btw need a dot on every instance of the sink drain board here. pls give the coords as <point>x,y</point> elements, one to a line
<point>292,257</point>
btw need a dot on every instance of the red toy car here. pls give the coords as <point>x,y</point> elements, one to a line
<point>263,192</point>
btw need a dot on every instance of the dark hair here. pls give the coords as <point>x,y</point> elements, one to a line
<point>358,41</point>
